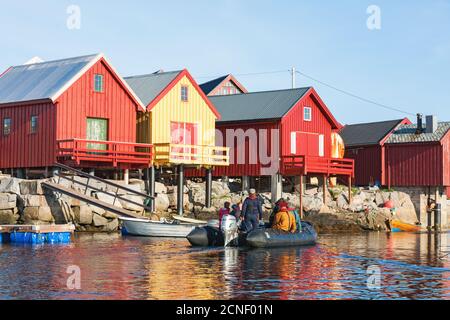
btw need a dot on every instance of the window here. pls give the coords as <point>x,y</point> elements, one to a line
<point>184,93</point>
<point>98,83</point>
<point>307,114</point>
<point>7,126</point>
<point>34,124</point>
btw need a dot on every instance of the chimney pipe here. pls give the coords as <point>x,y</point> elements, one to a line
<point>432,124</point>
<point>419,124</point>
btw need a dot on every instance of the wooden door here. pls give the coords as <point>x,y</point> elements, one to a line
<point>97,130</point>
<point>184,134</point>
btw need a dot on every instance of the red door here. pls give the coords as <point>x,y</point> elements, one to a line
<point>308,144</point>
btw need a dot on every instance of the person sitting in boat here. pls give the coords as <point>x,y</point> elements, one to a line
<point>236,211</point>
<point>252,211</point>
<point>285,221</point>
<point>278,205</point>
<point>224,211</point>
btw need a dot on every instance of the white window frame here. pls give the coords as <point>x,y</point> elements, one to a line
<point>184,93</point>
<point>310,114</point>
<point>293,142</point>
<point>99,79</point>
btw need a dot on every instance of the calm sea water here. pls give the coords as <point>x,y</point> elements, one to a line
<point>411,267</point>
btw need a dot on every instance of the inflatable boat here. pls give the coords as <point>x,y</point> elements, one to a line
<point>262,238</point>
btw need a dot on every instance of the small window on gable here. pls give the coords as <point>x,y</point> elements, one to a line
<point>98,83</point>
<point>184,93</point>
<point>34,124</point>
<point>7,126</point>
<point>307,114</point>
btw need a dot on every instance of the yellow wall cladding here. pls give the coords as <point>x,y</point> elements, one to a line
<point>172,109</point>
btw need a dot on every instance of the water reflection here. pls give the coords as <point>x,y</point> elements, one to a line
<point>412,267</point>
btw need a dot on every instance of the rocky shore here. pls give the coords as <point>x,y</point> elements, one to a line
<point>25,202</point>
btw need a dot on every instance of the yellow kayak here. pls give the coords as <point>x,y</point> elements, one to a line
<point>398,226</point>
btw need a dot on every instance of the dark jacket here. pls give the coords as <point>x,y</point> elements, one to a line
<point>252,205</point>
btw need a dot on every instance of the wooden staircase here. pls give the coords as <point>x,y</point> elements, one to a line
<point>71,173</point>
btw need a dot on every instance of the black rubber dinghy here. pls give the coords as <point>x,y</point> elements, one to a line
<point>261,238</point>
<point>269,238</point>
<point>206,237</point>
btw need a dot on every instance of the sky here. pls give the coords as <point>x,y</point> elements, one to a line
<point>402,61</point>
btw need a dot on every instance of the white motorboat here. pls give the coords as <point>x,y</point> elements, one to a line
<point>148,228</point>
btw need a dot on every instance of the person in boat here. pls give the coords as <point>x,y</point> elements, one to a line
<point>285,221</point>
<point>236,211</point>
<point>252,211</point>
<point>224,211</point>
<point>278,205</point>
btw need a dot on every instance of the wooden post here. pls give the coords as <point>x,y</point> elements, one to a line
<point>180,190</point>
<point>126,176</point>
<point>350,190</point>
<point>324,189</point>
<point>208,188</point>
<point>301,196</point>
<point>151,186</point>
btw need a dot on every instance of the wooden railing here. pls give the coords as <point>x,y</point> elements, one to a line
<point>108,152</point>
<point>307,165</point>
<point>167,153</point>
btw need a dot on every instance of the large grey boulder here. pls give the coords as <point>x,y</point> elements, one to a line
<point>130,206</point>
<point>160,188</point>
<point>108,199</point>
<point>31,187</point>
<point>83,215</point>
<point>8,201</point>
<point>10,185</point>
<point>162,203</point>
<point>112,226</point>
<point>99,221</point>
<point>9,217</point>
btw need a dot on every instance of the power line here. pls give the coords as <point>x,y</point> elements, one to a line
<point>248,74</point>
<point>356,96</point>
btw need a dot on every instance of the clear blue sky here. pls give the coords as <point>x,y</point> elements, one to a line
<point>406,64</point>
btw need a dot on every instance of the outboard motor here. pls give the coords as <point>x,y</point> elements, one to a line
<point>230,229</point>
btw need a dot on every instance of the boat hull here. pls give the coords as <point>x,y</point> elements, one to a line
<point>398,226</point>
<point>144,228</point>
<point>269,238</point>
<point>261,238</point>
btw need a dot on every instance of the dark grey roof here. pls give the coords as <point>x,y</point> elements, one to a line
<point>257,105</point>
<point>364,134</point>
<point>40,80</point>
<point>209,86</point>
<point>407,134</point>
<point>148,87</point>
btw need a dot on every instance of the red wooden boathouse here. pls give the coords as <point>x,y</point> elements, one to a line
<point>419,156</point>
<point>365,143</point>
<point>78,111</point>
<point>279,133</point>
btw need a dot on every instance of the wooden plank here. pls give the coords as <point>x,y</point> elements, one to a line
<point>95,202</point>
<point>37,228</point>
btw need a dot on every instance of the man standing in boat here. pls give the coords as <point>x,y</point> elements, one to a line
<point>252,211</point>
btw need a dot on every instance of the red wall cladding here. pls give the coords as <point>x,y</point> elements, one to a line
<point>21,148</point>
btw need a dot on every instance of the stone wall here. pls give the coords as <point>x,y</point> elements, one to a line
<point>24,201</point>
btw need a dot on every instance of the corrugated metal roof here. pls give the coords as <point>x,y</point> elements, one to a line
<point>364,134</point>
<point>40,80</point>
<point>257,105</point>
<point>209,86</point>
<point>407,134</point>
<point>149,86</point>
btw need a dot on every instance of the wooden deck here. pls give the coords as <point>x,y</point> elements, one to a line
<point>167,154</point>
<point>304,165</point>
<point>38,228</point>
<point>93,153</point>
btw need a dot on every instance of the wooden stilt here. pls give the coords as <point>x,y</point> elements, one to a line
<point>324,189</point>
<point>208,187</point>
<point>301,196</point>
<point>350,190</point>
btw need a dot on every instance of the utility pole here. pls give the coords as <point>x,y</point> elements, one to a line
<point>293,77</point>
